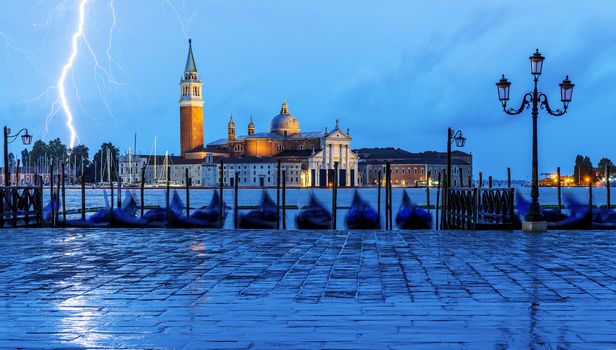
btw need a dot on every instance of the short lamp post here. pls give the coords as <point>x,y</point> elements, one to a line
<point>453,136</point>
<point>533,222</point>
<point>8,138</point>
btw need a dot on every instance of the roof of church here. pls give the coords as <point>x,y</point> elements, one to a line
<point>190,60</point>
<point>256,159</point>
<point>297,153</point>
<point>284,122</point>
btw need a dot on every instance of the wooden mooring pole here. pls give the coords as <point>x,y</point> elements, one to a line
<point>63,179</point>
<point>480,184</point>
<point>558,189</point>
<point>284,200</point>
<point>438,194</point>
<point>428,191</point>
<point>444,205</point>
<point>387,195</point>
<point>187,182</point>
<point>391,223</point>
<point>119,191</point>
<point>590,194</point>
<point>378,197</point>
<point>235,198</point>
<point>39,199</point>
<point>220,189</point>
<point>142,190</point>
<point>168,194</point>
<point>57,200</point>
<point>278,174</point>
<point>335,197</point>
<point>608,186</point>
<point>509,177</point>
<point>112,197</point>
<point>83,198</point>
<point>51,199</point>
<point>490,181</point>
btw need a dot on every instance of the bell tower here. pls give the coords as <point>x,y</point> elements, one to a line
<point>231,130</point>
<point>191,107</point>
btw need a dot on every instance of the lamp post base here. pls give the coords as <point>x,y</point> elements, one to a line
<point>534,226</point>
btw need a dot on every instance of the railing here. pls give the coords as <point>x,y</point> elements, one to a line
<point>479,208</point>
<point>21,206</point>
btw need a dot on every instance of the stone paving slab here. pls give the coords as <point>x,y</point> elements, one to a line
<point>191,289</point>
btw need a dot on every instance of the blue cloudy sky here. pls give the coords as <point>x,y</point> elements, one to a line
<point>397,73</point>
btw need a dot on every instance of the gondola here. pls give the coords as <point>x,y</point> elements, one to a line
<point>314,216</point>
<point>126,216</point>
<point>264,217</point>
<point>579,218</point>
<point>361,216</point>
<point>604,219</point>
<point>156,217</point>
<point>411,217</point>
<point>549,215</point>
<point>206,217</point>
<point>100,218</point>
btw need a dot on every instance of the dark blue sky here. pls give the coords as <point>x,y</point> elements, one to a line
<point>397,73</point>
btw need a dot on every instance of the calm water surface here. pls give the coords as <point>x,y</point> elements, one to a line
<point>201,197</point>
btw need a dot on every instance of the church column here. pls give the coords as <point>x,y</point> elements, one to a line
<point>348,170</point>
<point>324,163</point>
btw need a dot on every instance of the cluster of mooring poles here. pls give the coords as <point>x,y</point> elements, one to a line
<point>57,195</point>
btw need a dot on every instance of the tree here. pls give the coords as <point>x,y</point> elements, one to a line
<point>11,161</point>
<point>25,157</point>
<point>100,158</point>
<point>604,163</point>
<point>39,149</point>
<point>80,155</point>
<point>590,171</point>
<point>583,170</point>
<point>57,150</point>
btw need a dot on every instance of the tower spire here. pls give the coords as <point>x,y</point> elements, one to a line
<point>191,67</point>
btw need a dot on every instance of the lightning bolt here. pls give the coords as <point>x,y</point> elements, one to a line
<point>67,68</point>
<point>59,95</point>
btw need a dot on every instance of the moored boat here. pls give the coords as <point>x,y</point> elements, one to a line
<point>264,217</point>
<point>361,216</point>
<point>411,217</point>
<point>314,216</point>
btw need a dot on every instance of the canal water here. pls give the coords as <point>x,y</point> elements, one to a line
<point>298,197</point>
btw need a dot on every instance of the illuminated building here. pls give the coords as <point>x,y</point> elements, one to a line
<point>317,151</point>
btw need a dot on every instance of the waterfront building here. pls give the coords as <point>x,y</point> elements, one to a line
<point>254,172</point>
<point>412,169</point>
<point>155,170</point>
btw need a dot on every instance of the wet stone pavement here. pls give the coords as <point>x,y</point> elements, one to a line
<point>340,290</point>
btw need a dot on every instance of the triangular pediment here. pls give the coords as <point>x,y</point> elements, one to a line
<point>337,134</point>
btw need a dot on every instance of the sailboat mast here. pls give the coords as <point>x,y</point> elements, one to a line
<point>155,178</point>
<point>109,165</point>
<point>130,167</point>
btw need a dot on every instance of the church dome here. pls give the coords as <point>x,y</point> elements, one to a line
<point>284,123</point>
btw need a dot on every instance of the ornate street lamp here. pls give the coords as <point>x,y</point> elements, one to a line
<point>460,142</point>
<point>25,138</point>
<point>533,222</point>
